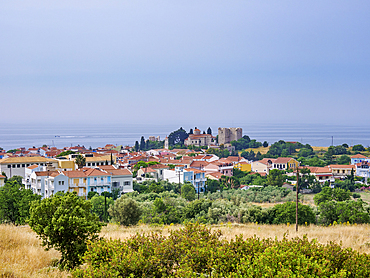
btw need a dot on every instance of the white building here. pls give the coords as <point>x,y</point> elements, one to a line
<point>16,166</point>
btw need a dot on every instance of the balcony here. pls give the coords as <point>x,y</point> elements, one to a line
<point>201,180</point>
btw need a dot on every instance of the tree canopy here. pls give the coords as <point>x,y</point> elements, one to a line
<point>65,223</point>
<point>15,202</point>
<point>177,137</point>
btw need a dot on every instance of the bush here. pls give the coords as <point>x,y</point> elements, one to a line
<point>286,213</point>
<point>65,223</point>
<point>342,212</point>
<point>15,203</point>
<point>188,192</point>
<point>356,195</point>
<point>125,211</point>
<point>195,251</point>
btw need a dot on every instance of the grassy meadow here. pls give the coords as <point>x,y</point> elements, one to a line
<point>22,256</point>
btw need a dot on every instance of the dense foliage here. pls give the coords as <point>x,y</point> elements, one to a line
<point>15,202</point>
<point>195,251</point>
<point>245,142</point>
<point>125,211</point>
<point>64,222</point>
<point>229,205</point>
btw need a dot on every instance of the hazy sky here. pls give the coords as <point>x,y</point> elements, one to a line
<point>196,62</point>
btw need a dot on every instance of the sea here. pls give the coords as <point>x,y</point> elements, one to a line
<point>98,135</point>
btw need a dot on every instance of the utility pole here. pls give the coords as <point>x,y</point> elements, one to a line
<point>105,208</point>
<point>178,172</point>
<point>296,207</point>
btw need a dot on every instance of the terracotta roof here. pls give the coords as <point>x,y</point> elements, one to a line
<point>196,136</point>
<point>317,170</point>
<point>333,166</point>
<point>214,174</point>
<point>199,164</point>
<point>358,156</point>
<point>85,172</point>
<point>47,173</point>
<point>233,158</point>
<point>282,160</point>
<point>194,170</point>
<point>120,172</point>
<point>148,170</point>
<point>99,158</point>
<point>27,159</point>
<point>33,166</point>
<point>265,160</point>
<point>2,177</point>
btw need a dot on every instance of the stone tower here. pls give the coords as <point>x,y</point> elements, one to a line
<point>166,143</point>
<point>226,135</point>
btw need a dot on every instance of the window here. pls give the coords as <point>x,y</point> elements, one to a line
<point>18,166</point>
<point>13,166</point>
<point>127,183</point>
<point>89,164</point>
<point>23,165</point>
<point>92,164</point>
<point>9,166</point>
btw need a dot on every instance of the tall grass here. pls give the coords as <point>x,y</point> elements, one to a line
<point>22,256</point>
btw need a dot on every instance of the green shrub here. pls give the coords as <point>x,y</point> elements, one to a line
<point>125,211</point>
<point>66,224</point>
<point>195,251</point>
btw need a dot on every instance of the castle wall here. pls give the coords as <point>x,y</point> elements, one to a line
<point>226,135</point>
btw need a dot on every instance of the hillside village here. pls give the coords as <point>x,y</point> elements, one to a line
<point>200,160</point>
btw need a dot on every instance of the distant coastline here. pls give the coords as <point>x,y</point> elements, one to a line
<point>14,136</point>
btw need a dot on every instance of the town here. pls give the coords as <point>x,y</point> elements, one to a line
<point>206,161</point>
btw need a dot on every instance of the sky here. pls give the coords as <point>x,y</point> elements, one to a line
<point>191,62</point>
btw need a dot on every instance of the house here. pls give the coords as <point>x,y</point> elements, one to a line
<point>178,175</point>
<point>225,168</point>
<point>15,166</point>
<point>206,157</point>
<point>199,179</point>
<point>199,164</point>
<point>262,166</point>
<point>213,175</point>
<point>47,183</point>
<point>121,178</point>
<point>358,158</point>
<point>363,169</point>
<point>28,171</point>
<point>322,174</point>
<point>285,163</point>
<point>243,166</point>
<point>87,179</point>
<point>146,173</point>
<point>181,175</point>
<point>342,171</point>
<point>93,161</point>
<point>198,139</point>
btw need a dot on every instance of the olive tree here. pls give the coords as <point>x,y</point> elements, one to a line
<point>65,223</point>
<point>125,211</point>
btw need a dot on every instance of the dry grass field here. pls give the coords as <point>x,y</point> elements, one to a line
<point>262,150</point>
<point>22,256</point>
<point>317,149</point>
